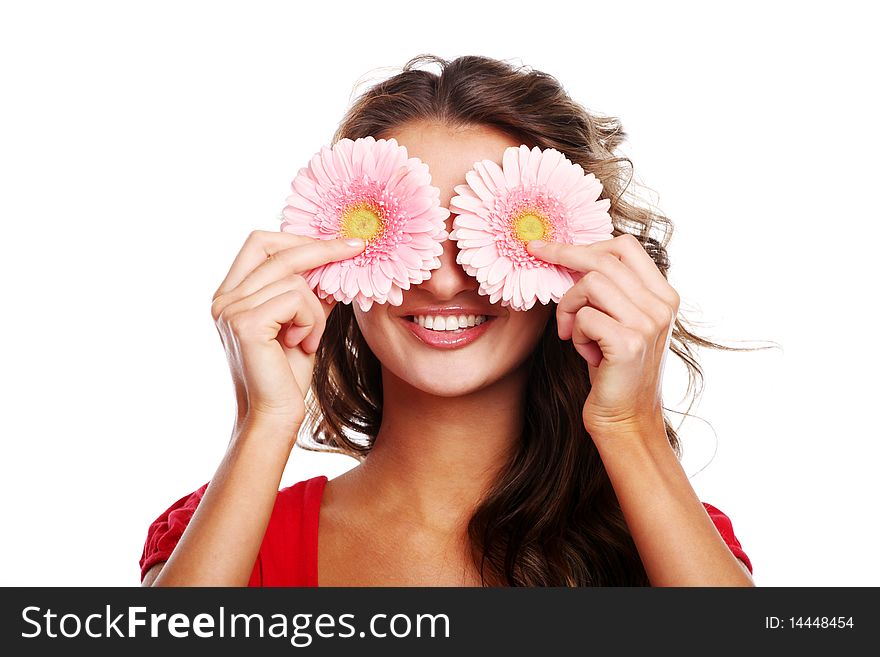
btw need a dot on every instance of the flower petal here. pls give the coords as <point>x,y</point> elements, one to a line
<point>409,257</point>
<point>368,166</point>
<point>299,220</point>
<point>484,257</point>
<point>465,203</point>
<point>316,166</point>
<point>517,299</point>
<point>550,160</point>
<point>389,158</point>
<point>542,288</point>
<point>469,221</point>
<point>299,201</point>
<point>381,282</point>
<point>358,153</point>
<point>330,278</point>
<point>395,296</point>
<point>342,161</point>
<point>476,183</point>
<point>328,164</point>
<point>572,177</point>
<point>387,267</point>
<point>509,282</point>
<point>364,281</point>
<point>528,284</point>
<point>499,270</point>
<point>417,205</point>
<point>492,175</point>
<point>401,275</point>
<point>306,188</point>
<point>559,175</point>
<point>510,162</point>
<point>469,233</point>
<point>528,169</point>
<point>582,195</point>
<point>349,283</point>
<point>476,243</point>
<point>420,226</point>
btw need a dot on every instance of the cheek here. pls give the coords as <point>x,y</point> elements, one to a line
<point>519,337</point>
<point>530,324</point>
<point>376,327</point>
<point>369,324</point>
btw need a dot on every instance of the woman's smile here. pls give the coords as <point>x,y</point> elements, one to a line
<point>448,331</point>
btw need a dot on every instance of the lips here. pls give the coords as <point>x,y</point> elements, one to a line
<point>448,339</point>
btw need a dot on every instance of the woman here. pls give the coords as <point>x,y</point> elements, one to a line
<point>536,454</point>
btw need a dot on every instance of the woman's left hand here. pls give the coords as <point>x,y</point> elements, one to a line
<point>619,316</point>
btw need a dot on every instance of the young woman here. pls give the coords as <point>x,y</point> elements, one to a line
<point>535,454</point>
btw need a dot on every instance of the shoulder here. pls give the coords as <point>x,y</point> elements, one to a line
<point>305,489</point>
<point>295,503</point>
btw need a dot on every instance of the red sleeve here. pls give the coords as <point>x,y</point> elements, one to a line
<point>166,530</point>
<point>725,528</point>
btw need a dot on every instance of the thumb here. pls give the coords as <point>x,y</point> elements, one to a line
<point>542,250</point>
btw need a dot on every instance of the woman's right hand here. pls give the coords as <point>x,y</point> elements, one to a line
<point>271,322</point>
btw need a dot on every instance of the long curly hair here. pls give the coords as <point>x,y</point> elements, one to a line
<point>552,517</point>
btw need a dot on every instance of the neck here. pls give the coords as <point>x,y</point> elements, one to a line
<point>434,458</point>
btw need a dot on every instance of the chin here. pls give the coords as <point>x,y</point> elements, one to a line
<point>433,383</point>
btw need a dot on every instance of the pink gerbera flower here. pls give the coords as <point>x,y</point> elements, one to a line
<point>535,195</point>
<point>369,189</point>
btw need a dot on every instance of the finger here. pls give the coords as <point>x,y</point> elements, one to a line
<point>301,326</point>
<point>312,337</point>
<point>291,332</point>
<point>284,262</point>
<point>593,334</point>
<point>625,247</point>
<point>597,260</point>
<point>263,322</point>
<point>296,260</point>
<point>597,290</point>
<point>258,246</point>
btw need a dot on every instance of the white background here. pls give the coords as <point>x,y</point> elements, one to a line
<point>140,143</point>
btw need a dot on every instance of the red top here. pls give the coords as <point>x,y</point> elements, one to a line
<point>288,555</point>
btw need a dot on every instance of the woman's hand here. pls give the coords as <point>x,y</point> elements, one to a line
<point>271,322</point>
<point>619,316</point>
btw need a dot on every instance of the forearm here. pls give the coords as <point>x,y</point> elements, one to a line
<point>220,544</point>
<point>676,539</point>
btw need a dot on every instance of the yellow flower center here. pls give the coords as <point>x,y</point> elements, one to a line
<point>530,225</point>
<point>362,220</point>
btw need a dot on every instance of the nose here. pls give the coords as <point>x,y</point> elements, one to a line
<point>450,279</point>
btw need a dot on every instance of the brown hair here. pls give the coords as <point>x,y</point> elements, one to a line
<point>552,517</point>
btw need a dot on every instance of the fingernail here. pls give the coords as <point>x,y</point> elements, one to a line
<point>537,244</point>
<point>355,242</point>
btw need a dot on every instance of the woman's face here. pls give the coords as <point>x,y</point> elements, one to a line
<point>449,363</point>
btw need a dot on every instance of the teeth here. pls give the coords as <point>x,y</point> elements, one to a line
<point>449,322</point>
